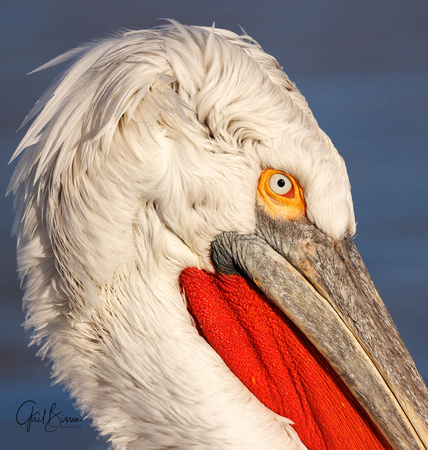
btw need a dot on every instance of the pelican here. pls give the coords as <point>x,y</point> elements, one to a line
<point>184,233</point>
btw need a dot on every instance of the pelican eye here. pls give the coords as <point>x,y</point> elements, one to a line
<point>280,195</point>
<point>281,185</point>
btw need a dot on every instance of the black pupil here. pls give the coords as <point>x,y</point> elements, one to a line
<point>281,182</point>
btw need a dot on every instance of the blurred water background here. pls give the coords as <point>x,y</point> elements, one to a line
<point>363,67</point>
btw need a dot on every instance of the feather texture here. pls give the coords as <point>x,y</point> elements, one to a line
<point>149,145</point>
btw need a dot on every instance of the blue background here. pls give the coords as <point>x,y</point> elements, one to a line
<point>363,67</point>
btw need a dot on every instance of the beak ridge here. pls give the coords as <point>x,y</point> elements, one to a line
<point>325,289</point>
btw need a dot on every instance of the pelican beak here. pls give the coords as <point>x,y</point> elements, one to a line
<point>324,288</point>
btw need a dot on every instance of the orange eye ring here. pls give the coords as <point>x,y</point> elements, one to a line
<point>280,195</point>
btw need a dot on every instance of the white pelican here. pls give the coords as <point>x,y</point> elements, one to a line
<point>184,240</point>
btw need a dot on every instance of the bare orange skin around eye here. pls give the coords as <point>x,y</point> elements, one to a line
<point>281,206</point>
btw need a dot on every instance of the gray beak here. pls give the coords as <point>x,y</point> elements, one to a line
<point>324,287</point>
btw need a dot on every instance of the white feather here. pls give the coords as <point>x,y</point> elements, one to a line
<point>144,150</point>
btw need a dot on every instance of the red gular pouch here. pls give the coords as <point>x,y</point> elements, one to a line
<point>276,362</point>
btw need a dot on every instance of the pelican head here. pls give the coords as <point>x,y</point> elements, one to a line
<point>184,235</point>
